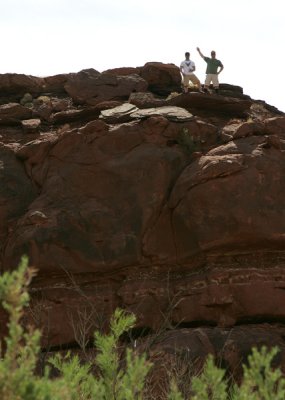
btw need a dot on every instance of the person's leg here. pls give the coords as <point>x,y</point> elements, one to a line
<point>195,81</point>
<point>215,81</point>
<point>185,83</point>
<point>207,83</point>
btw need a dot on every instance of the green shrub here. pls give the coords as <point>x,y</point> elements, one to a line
<point>210,382</point>
<point>187,141</point>
<point>17,365</point>
<point>260,380</point>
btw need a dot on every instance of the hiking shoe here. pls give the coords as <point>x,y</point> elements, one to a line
<point>217,91</point>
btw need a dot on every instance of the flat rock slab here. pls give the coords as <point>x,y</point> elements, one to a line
<point>74,115</point>
<point>118,114</point>
<point>172,113</point>
<point>13,112</point>
<point>127,112</point>
<point>211,102</point>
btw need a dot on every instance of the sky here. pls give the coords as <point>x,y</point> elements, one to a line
<point>49,37</point>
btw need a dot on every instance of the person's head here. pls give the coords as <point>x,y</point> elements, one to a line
<point>213,54</point>
<point>187,55</point>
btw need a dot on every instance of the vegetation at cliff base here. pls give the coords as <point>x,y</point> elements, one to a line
<point>114,380</point>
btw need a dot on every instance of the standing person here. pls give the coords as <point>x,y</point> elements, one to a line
<point>212,71</point>
<point>187,67</point>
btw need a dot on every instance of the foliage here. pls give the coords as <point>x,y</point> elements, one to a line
<point>114,380</point>
<point>22,347</point>
<point>210,382</point>
<point>187,141</point>
<point>18,379</point>
<point>261,381</point>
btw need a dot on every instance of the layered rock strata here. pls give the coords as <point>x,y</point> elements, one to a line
<point>126,193</point>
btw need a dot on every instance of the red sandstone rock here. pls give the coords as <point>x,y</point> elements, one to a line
<point>211,103</point>
<point>93,87</point>
<point>13,113</point>
<point>20,84</point>
<point>17,191</point>
<point>184,234</point>
<point>275,125</point>
<point>162,78</point>
<point>55,84</point>
<point>190,228</point>
<point>145,100</point>
<point>239,130</point>
<point>105,105</point>
<point>122,71</point>
<point>88,113</point>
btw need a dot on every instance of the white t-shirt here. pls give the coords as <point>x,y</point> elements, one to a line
<point>187,67</point>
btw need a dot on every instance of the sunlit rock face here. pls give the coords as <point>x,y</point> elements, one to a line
<point>126,193</point>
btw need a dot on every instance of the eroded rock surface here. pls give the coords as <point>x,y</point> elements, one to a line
<point>169,206</point>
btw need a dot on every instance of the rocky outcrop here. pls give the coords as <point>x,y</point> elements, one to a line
<point>162,78</point>
<point>13,113</point>
<point>19,84</point>
<point>128,112</point>
<point>215,104</point>
<point>168,206</point>
<point>91,87</point>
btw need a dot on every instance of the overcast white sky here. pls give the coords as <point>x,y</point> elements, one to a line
<point>48,37</point>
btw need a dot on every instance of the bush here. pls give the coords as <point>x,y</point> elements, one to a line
<point>187,141</point>
<point>18,380</point>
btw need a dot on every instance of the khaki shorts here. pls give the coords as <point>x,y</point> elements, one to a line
<point>212,78</point>
<point>193,78</point>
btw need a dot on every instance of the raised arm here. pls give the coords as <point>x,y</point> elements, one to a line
<point>199,51</point>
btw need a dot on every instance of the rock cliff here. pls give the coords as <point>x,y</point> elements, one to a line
<point>126,193</point>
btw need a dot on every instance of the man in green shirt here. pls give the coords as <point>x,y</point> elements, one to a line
<point>214,68</point>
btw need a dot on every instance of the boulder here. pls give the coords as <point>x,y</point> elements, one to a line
<point>93,88</point>
<point>13,113</point>
<point>162,78</point>
<point>211,103</point>
<point>31,125</point>
<point>275,125</point>
<point>239,130</point>
<point>145,100</point>
<point>55,84</point>
<point>19,84</point>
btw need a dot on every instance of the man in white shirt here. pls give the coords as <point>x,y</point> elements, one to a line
<point>187,67</point>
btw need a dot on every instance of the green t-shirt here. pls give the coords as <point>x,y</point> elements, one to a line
<point>212,65</point>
